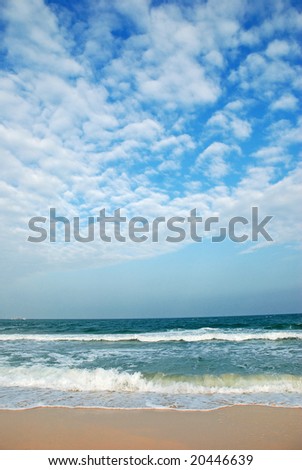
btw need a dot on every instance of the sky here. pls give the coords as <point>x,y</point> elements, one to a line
<point>155,108</point>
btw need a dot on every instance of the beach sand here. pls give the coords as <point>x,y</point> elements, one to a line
<point>237,427</point>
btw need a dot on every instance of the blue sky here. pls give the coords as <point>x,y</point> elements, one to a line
<point>156,108</point>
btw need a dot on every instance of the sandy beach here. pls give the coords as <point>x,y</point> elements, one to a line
<point>237,427</point>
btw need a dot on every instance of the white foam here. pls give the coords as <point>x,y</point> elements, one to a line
<point>66,379</point>
<point>201,334</point>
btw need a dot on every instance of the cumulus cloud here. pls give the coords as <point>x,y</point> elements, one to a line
<point>286,102</point>
<point>227,122</point>
<point>33,39</point>
<point>271,155</point>
<point>213,159</point>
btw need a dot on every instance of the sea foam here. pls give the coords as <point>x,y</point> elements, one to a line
<point>202,334</point>
<point>114,380</point>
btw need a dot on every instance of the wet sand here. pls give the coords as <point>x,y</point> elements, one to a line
<point>237,427</point>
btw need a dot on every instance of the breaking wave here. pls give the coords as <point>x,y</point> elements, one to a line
<point>114,380</point>
<point>202,334</point>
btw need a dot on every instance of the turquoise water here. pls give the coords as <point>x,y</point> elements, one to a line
<point>185,363</point>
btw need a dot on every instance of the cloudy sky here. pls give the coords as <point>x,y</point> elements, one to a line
<point>156,108</point>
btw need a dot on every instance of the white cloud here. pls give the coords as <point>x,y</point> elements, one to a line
<point>272,155</point>
<point>162,60</point>
<point>169,165</point>
<point>179,81</point>
<point>120,122</point>
<point>215,58</point>
<point>285,132</point>
<point>236,105</point>
<point>258,73</point>
<point>279,199</point>
<point>286,102</point>
<point>278,48</point>
<point>213,160</point>
<point>136,10</point>
<point>148,129</point>
<point>175,144</point>
<point>241,129</point>
<point>227,122</point>
<point>33,38</point>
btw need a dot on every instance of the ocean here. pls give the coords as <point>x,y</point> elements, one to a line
<point>182,363</point>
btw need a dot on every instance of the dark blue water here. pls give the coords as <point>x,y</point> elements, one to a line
<point>186,363</point>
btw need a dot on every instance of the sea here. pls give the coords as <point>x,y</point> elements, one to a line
<point>182,363</point>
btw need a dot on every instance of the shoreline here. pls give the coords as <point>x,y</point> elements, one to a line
<point>184,410</point>
<point>246,427</point>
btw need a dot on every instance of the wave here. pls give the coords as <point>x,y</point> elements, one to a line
<point>113,380</point>
<point>202,334</point>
